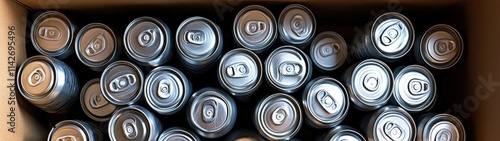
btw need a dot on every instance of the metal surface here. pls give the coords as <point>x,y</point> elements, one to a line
<point>287,69</point>
<point>178,134</point>
<point>296,25</point>
<point>342,133</point>
<point>96,46</point>
<point>74,130</point>
<point>440,127</point>
<point>254,28</point>
<point>93,103</point>
<point>414,88</point>
<point>122,83</point>
<point>278,117</point>
<point>390,123</point>
<point>240,72</point>
<point>133,123</point>
<point>440,47</point>
<point>167,90</point>
<point>52,34</point>
<point>328,51</point>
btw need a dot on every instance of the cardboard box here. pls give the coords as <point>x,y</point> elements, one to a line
<point>470,90</point>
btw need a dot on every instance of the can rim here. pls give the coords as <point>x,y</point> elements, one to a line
<point>153,122</point>
<point>139,92</point>
<point>354,94</point>
<point>260,125</point>
<point>84,127</point>
<point>51,90</point>
<point>276,85</point>
<point>390,109</point>
<point>283,33</point>
<point>240,92</point>
<point>175,108</point>
<point>82,102</point>
<point>80,56</point>
<point>453,32</point>
<point>177,130</point>
<point>342,129</point>
<point>217,32</point>
<point>411,33</point>
<point>428,120</point>
<point>419,107</point>
<point>66,47</point>
<point>322,35</point>
<point>239,39</point>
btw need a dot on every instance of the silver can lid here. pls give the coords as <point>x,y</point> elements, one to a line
<point>52,34</point>
<point>278,117</point>
<point>414,88</point>
<point>147,40</point>
<point>296,24</point>
<point>121,83</point>
<point>211,112</point>
<point>167,90</point>
<point>37,77</point>
<point>343,133</point>
<point>441,46</point>
<point>325,101</point>
<point>392,123</point>
<point>71,130</point>
<point>328,50</point>
<point>96,45</point>
<point>133,123</point>
<point>240,72</point>
<point>288,69</point>
<point>93,102</point>
<point>178,134</point>
<point>255,28</point>
<point>442,127</point>
<point>392,35</point>
<point>198,38</point>
<point>371,82</point>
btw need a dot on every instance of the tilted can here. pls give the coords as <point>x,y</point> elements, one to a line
<point>240,72</point>
<point>93,103</point>
<point>147,41</point>
<point>211,112</point>
<point>97,46</point>
<point>74,130</point>
<point>414,88</point>
<point>440,47</point>
<point>328,51</point>
<point>244,135</point>
<point>388,38</point>
<point>287,69</point>
<point>199,43</point>
<point>178,134</point>
<point>48,83</point>
<point>296,25</point>
<point>122,83</point>
<point>325,101</point>
<point>52,34</point>
<point>440,127</point>
<point>167,90</point>
<point>342,133</point>
<point>255,28</point>
<point>134,123</point>
<point>278,117</point>
<point>369,83</point>
<point>390,123</point>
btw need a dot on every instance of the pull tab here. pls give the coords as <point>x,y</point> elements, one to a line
<point>146,38</point>
<point>209,111</point>
<point>67,138</point>
<point>298,25</point>
<point>444,46</point>
<point>195,37</point>
<point>329,49</point>
<point>122,83</point>
<point>443,135</point>
<point>97,101</point>
<point>130,128</point>
<point>326,101</point>
<point>50,33</point>
<point>36,77</point>
<point>96,46</point>
<point>418,86</point>
<point>237,70</point>
<point>392,33</point>
<point>290,68</point>
<point>255,27</point>
<point>278,116</point>
<point>393,131</point>
<point>371,82</point>
<point>164,89</point>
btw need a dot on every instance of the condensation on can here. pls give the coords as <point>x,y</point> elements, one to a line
<point>48,83</point>
<point>440,127</point>
<point>93,103</point>
<point>389,123</point>
<point>167,90</point>
<point>440,47</point>
<point>240,72</point>
<point>342,133</point>
<point>52,34</point>
<point>122,83</point>
<point>74,130</point>
<point>414,88</point>
<point>328,51</point>
<point>97,46</point>
<point>255,28</point>
<point>287,69</point>
<point>178,134</point>
<point>134,123</point>
<point>296,25</point>
<point>147,41</point>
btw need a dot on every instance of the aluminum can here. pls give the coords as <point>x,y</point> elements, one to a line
<point>52,34</point>
<point>414,88</point>
<point>178,134</point>
<point>440,47</point>
<point>440,127</point>
<point>287,69</point>
<point>199,43</point>
<point>255,28</point>
<point>97,46</point>
<point>211,112</point>
<point>240,72</point>
<point>48,83</point>
<point>244,135</point>
<point>325,101</point>
<point>167,90</point>
<point>147,41</point>
<point>122,83</point>
<point>93,103</point>
<point>74,130</point>
<point>278,117</point>
<point>342,133</point>
<point>134,123</point>
<point>328,51</point>
<point>296,25</point>
<point>390,123</point>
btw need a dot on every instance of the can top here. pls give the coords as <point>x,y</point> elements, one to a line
<point>343,133</point>
<point>240,71</point>
<point>443,127</point>
<point>288,68</point>
<point>414,88</point>
<point>93,102</point>
<point>146,38</point>
<point>255,28</point>
<point>326,101</point>
<point>37,76</point>
<point>52,33</point>
<point>392,35</point>
<point>296,24</point>
<point>132,123</point>
<point>328,50</point>
<point>441,46</point>
<point>278,117</point>
<point>372,82</point>
<point>166,89</point>
<point>69,130</point>
<point>178,134</point>
<point>95,44</point>
<point>121,83</point>
<point>198,38</point>
<point>393,123</point>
